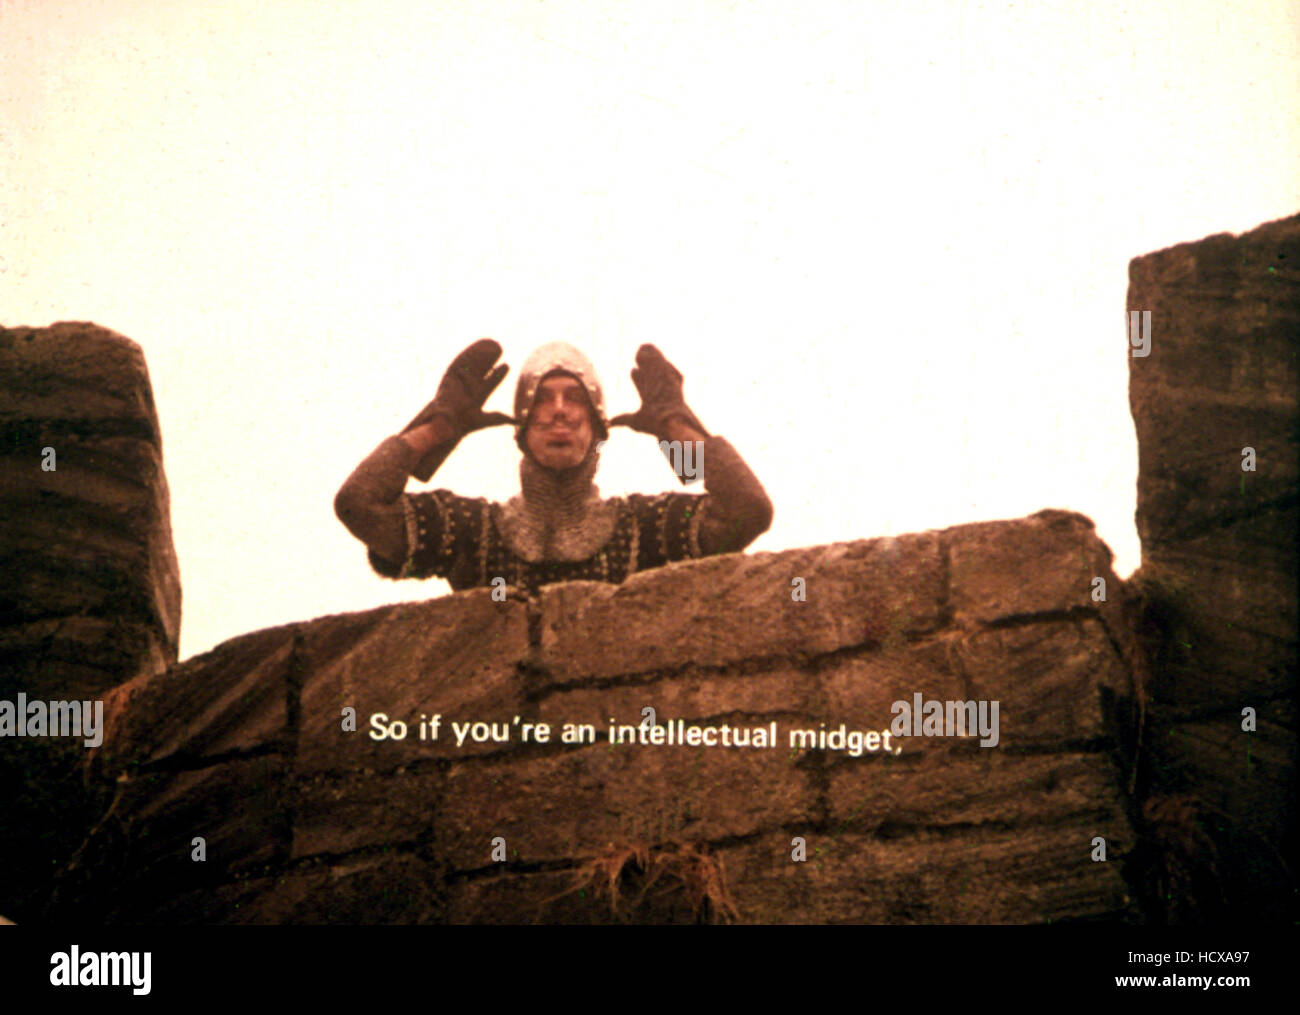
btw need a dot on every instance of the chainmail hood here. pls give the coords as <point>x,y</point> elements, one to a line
<point>559,513</point>
<point>557,358</point>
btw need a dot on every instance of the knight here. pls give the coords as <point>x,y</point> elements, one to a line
<point>558,527</point>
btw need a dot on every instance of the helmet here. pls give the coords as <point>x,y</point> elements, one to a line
<point>557,358</point>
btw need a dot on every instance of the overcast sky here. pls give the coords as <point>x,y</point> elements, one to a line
<point>885,242</point>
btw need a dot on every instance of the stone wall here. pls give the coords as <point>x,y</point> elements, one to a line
<point>90,595</point>
<point>1218,578</point>
<point>92,589</point>
<point>1154,718</point>
<point>304,821</point>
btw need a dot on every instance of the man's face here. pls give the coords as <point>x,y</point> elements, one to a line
<point>559,427</point>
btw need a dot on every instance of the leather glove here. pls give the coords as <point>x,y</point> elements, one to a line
<point>660,386</point>
<point>465,386</point>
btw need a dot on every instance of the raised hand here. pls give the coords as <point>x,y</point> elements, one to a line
<point>660,386</point>
<point>465,386</point>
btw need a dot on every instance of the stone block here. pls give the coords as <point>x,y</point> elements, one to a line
<point>1045,563</point>
<point>723,610</point>
<point>459,656</point>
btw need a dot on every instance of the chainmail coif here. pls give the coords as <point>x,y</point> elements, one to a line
<point>559,513</point>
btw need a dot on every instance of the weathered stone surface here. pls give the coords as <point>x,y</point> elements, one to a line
<point>231,700</point>
<point>515,897</point>
<point>68,656</point>
<point>1055,681</point>
<point>759,694</point>
<point>90,589</point>
<point>1227,639</point>
<point>860,689</point>
<point>1241,787</point>
<point>239,808</point>
<point>1041,564</point>
<point>92,538</point>
<point>985,874</point>
<point>336,815</point>
<point>391,887</point>
<point>731,608</point>
<point>1045,563</point>
<point>968,785</point>
<point>1222,375</point>
<point>458,656</point>
<point>142,854</point>
<point>580,894</point>
<point>582,801</point>
<point>1231,769</point>
<point>981,874</point>
<point>285,688</point>
<point>46,812</point>
<point>269,705</point>
<point>1216,593</point>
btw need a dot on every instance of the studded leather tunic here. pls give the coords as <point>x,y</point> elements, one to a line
<point>460,539</point>
<point>557,529</point>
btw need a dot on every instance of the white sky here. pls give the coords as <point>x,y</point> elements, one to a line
<point>886,243</point>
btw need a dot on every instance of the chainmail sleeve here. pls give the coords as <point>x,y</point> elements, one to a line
<point>681,526</point>
<point>736,510</point>
<point>372,507</point>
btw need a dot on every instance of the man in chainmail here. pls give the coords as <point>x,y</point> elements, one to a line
<point>558,527</point>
